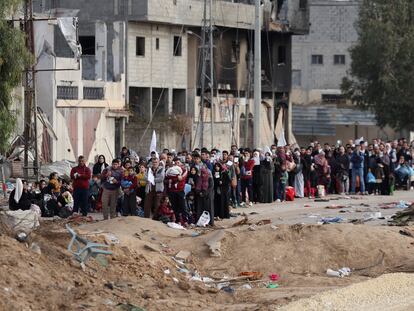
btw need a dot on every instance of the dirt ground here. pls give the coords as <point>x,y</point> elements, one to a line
<point>142,271</point>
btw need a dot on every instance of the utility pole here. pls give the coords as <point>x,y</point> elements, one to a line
<point>257,77</point>
<point>211,47</point>
<point>248,96</point>
<point>30,107</point>
<point>206,79</point>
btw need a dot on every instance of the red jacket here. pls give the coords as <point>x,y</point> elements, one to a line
<point>83,177</point>
<point>248,169</point>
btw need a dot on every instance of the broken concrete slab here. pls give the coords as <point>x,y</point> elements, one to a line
<point>183,255</point>
<point>152,247</point>
<point>214,242</point>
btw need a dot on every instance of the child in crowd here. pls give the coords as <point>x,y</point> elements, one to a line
<point>165,211</point>
<point>67,185</point>
<point>127,164</point>
<point>94,186</point>
<point>192,177</point>
<point>129,186</point>
<point>141,182</point>
<point>371,182</point>
<point>284,176</point>
<point>54,184</point>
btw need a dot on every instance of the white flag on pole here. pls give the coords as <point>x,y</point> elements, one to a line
<point>153,146</point>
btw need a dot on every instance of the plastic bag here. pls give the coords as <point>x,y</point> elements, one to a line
<point>290,194</point>
<point>204,219</point>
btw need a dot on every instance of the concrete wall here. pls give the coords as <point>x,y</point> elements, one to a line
<point>158,68</point>
<point>332,31</point>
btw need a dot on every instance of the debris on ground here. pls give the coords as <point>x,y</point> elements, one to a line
<point>334,206</point>
<point>214,243</point>
<point>331,220</point>
<point>20,221</point>
<point>340,273</point>
<point>242,222</point>
<point>407,232</point>
<point>403,218</point>
<point>183,255</point>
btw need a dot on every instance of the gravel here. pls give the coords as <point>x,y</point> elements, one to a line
<point>391,292</point>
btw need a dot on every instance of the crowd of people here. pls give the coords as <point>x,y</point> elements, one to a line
<point>179,187</point>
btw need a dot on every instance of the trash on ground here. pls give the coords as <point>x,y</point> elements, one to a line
<point>373,216</point>
<point>82,249</point>
<point>245,286</point>
<point>252,228</point>
<point>174,225</point>
<point>331,220</point>
<point>334,206</point>
<point>222,285</point>
<point>345,271</point>
<point>244,221</point>
<point>263,222</point>
<point>404,217</point>
<point>274,277</point>
<point>407,232</point>
<point>228,289</point>
<point>204,219</point>
<point>402,204</point>
<point>110,239</point>
<point>21,237</point>
<point>21,221</point>
<point>252,275</point>
<point>272,285</point>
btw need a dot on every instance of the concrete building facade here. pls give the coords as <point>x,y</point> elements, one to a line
<point>148,54</point>
<point>320,60</point>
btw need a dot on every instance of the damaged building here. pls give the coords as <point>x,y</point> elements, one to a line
<point>320,60</point>
<point>140,71</point>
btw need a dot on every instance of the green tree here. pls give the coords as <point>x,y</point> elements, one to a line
<point>13,59</point>
<point>382,69</point>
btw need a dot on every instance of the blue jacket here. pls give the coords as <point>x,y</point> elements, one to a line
<point>357,160</point>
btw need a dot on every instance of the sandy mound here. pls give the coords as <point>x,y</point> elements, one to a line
<point>135,272</point>
<point>390,292</point>
<point>295,251</point>
<point>54,281</point>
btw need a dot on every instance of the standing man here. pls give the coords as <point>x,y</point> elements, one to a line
<point>80,176</point>
<point>154,189</point>
<point>111,182</point>
<point>357,160</point>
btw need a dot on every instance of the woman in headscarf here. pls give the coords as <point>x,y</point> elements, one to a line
<point>100,165</point>
<point>322,169</point>
<point>257,180</point>
<point>299,181</point>
<point>222,181</point>
<point>266,174</point>
<point>20,198</point>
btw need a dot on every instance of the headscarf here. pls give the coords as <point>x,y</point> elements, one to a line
<point>19,190</point>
